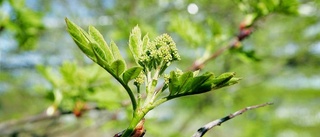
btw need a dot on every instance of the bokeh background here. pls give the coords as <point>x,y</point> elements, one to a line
<point>278,63</point>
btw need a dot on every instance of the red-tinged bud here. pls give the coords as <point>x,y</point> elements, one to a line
<point>247,22</point>
<point>139,131</point>
<point>79,108</point>
<point>244,33</point>
<point>242,25</point>
<point>77,113</point>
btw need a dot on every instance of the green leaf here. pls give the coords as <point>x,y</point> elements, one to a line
<point>47,73</point>
<point>96,35</point>
<point>232,81</point>
<point>198,83</point>
<point>184,80</point>
<point>194,35</point>
<point>222,79</point>
<point>131,73</point>
<point>118,67</point>
<point>186,84</point>
<point>100,55</point>
<point>135,43</point>
<point>68,71</point>
<point>173,83</point>
<point>80,38</point>
<point>145,42</point>
<point>115,51</point>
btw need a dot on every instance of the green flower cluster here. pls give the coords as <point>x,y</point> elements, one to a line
<point>159,53</point>
<point>139,79</point>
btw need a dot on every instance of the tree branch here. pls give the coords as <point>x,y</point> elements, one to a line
<point>4,126</point>
<point>244,32</point>
<point>201,131</point>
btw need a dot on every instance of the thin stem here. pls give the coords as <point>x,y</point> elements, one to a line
<point>199,64</point>
<point>129,91</point>
<point>149,77</point>
<point>151,85</point>
<point>159,102</point>
<point>126,87</point>
<point>150,92</point>
<point>139,95</point>
<point>243,34</point>
<point>156,74</point>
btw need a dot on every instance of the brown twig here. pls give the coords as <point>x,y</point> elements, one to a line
<point>31,119</point>
<point>201,131</point>
<point>4,126</point>
<point>244,32</point>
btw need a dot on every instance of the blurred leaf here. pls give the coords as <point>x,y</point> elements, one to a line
<point>25,23</point>
<point>245,55</point>
<point>289,7</point>
<point>68,71</point>
<point>189,31</point>
<point>265,7</point>
<point>50,96</point>
<point>214,26</point>
<point>47,73</point>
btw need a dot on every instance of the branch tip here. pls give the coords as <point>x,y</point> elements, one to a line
<point>201,131</point>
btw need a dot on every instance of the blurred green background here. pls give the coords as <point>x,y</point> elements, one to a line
<point>278,63</point>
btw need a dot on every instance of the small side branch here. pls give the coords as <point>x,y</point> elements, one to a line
<point>244,32</point>
<point>201,131</point>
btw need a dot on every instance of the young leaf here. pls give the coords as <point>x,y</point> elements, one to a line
<point>232,81</point>
<point>187,84</point>
<point>222,79</point>
<point>96,35</point>
<point>115,51</point>
<point>184,81</point>
<point>198,83</point>
<point>145,42</point>
<point>131,73</point>
<point>135,43</point>
<point>100,55</point>
<point>80,38</point>
<point>173,83</point>
<point>118,67</point>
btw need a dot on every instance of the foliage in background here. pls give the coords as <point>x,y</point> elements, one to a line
<point>25,24</point>
<point>286,73</point>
